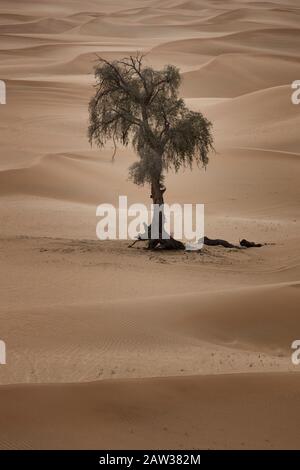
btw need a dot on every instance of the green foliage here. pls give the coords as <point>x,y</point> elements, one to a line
<point>135,103</point>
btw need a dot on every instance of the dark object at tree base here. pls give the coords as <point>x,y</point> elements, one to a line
<point>247,244</point>
<point>166,244</point>
<point>163,244</point>
<point>218,242</point>
<point>172,244</point>
<point>243,243</point>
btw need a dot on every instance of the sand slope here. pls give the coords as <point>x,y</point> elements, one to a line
<point>180,413</point>
<point>232,75</point>
<point>166,335</point>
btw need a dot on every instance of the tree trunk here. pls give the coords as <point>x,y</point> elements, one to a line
<point>157,191</point>
<point>161,238</point>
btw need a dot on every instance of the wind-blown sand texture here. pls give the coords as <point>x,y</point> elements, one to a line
<point>110,347</point>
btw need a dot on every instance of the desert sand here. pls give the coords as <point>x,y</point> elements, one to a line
<point>111,347</point>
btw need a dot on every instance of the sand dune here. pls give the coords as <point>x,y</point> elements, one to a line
<point>103,27</point>
<point>273,16</point>
<point>180,413</point>
<point>263,119</point>
<point>232,75</point>
<point>68,7</point>
<point>138,338</point>
<point>91,179</point>
<point>11,42</point>
<point>276,41</point>
<point>66,177</point>
<point>8,18</point>
<point>45,26</point>
<point>42,107</point>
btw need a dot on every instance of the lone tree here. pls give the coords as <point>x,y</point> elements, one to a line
<point>136,104</point>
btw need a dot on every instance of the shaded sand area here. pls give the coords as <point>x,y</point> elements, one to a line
<point>111,347</point>
<point>255,411</point>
